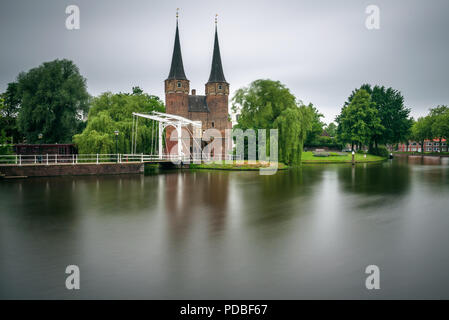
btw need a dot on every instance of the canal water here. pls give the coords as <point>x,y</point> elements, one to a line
<point>306,233</point>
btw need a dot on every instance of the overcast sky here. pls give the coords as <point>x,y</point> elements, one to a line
<point>320,49</point>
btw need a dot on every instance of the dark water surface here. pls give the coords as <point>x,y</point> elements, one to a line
<point>307,233</point>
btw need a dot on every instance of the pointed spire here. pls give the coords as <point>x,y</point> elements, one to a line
<point>216,72</point>
<point>177,67</point>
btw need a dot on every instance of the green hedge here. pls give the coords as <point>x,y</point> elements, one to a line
<point>380,151</point>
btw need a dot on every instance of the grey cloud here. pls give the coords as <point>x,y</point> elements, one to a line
<point>320,49</point>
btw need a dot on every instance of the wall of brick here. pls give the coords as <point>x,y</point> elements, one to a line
<point>71,169</point>
<point>176,100</point>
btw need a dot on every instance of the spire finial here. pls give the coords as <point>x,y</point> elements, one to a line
<point>216,18</point>
<point>177,14</point>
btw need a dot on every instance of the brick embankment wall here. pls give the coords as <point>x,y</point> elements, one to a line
<point>42,170</point>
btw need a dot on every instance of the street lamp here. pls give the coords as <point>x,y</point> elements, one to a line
<point>116,132</point>
<point>39,157</point>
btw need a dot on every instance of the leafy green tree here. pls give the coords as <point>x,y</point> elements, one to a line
<point>440,127</point>
<point>422,130</point>
<point>408,135</point>
<point>358,121</point>
<point>394,116</point>
<point>268,104</point>
<point>261,103</point>
<point>9,108</point>
<point>111,112</point>
<point>5,148</point>
<point>438,110</point>
<point>331,129</point>
<point>2,108</point>
<point>137,90</point>
<point>316,125</point>
<point>439,122</point>
<point>52,98</point>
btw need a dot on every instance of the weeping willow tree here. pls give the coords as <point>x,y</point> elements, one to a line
<point>113,112</point>
<point>293,125</point>
<point>268,104</point>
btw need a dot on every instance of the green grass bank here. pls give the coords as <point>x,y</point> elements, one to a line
<point>309,158</point>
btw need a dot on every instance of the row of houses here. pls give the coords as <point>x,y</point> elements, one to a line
<point>429,146</point>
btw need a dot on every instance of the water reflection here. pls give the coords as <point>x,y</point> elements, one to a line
<point>385,178</point>
<point>191,197</point>
<point>304,233</point>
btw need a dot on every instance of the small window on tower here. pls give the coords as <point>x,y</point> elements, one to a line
<point>219,87</point>
<point>179,84</point>
<point>213,124</point>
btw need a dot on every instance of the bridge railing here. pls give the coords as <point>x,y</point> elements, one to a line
<point>51,159</point>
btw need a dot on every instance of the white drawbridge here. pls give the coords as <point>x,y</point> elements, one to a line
<point>165,120</point>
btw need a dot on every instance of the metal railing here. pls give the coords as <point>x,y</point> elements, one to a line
<point>52,159</point>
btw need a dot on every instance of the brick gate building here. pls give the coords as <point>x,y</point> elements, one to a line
<point>211,109</point>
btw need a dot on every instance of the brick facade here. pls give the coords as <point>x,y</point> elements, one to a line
<point>429,146</point>
<point>211,109</point>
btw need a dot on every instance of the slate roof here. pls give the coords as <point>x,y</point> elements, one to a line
<point>216,72</point>
<point>177,67</point>
<point>198,104</point>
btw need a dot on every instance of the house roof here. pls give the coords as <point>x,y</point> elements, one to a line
<point>198,104</point>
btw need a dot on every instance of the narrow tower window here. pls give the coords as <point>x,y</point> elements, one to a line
<point>179,84</point>
<point>219,87</point>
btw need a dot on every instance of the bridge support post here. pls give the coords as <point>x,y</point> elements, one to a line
<point>161,129</point>
<point>178,129</point>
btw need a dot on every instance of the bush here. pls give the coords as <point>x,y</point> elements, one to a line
<point>324,141</point>
<point>381,152</point>
<point>320,154</point>
<point>6,149</point>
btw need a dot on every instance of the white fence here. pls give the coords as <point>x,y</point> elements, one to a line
<point>51,159</point>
